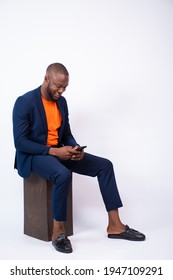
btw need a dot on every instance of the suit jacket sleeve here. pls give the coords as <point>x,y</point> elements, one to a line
<point>22,124</point>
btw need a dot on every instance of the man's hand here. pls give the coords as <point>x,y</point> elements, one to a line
<point>78,155</point>
<point>66,152</point>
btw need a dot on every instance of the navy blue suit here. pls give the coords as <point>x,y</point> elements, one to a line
<point>30,137</point>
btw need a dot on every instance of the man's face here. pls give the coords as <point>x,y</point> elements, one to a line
<point>56,85</point>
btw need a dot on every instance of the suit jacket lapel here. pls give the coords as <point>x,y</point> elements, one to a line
<point>60,107</point>
<point>41,110</point>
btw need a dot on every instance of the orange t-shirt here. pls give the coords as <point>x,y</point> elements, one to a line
<point>54,121</point>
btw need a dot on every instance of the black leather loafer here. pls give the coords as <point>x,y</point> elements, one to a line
<point>128,234</point>
<point>62,244</point>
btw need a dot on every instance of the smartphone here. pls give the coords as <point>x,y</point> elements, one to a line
<point>80,148</point>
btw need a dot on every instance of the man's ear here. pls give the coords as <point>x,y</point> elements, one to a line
<point>46,79</point>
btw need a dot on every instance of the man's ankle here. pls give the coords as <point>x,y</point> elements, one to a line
<point>58,227</point>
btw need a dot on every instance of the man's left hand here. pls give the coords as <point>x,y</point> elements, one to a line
<point>77,155</point>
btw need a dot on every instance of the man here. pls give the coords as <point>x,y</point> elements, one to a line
<point>45,145</point>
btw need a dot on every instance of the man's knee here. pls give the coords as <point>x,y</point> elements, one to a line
<point>64,177</point>
<point>107,164</point>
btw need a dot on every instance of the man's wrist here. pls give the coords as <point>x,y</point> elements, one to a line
<point>52,151</point>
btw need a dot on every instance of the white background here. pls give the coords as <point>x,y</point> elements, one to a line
<point>119,55</point>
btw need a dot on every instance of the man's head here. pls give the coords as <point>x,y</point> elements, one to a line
<point>55,82</point>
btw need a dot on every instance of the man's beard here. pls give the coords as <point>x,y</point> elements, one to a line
<point>50,94</point>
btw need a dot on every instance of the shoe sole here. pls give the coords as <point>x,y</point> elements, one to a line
<point>124,238</point>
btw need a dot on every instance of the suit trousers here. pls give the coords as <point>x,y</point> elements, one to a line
<point>60,173</point>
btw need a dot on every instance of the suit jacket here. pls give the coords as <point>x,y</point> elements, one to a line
<point>30,129</point>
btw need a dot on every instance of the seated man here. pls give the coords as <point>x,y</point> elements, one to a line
<point>45,145</point>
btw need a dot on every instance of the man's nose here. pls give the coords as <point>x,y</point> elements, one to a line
<point>61,90</point>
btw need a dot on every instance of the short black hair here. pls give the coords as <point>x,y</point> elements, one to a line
<point>57,67</point>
